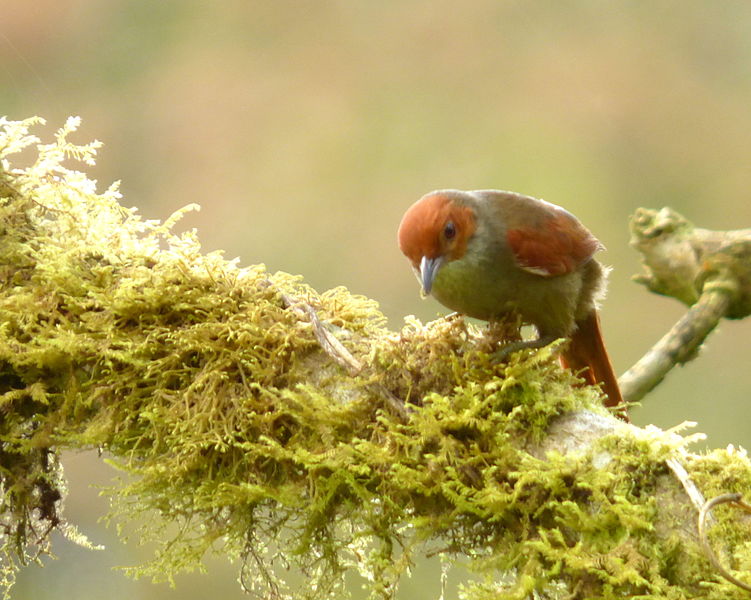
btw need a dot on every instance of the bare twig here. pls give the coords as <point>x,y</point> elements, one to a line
<point>338,352</point>
<point>696,497</point>
<point>330,345</point>
<point>737,500</point>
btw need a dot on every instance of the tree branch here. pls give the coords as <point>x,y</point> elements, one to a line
<point>678,346</point>
<point>710,271</point>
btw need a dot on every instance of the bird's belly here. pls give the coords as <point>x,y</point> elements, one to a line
<point>490,294</point>
<point>473,293</point>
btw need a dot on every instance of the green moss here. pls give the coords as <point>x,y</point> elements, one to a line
<point>206,384</point>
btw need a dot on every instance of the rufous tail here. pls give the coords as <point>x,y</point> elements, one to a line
<point>586,354</point>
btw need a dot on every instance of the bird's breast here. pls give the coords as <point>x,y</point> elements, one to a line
<point>475,289</point>
<point>489,290</point>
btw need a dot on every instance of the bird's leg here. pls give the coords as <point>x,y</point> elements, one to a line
<point>508,349</point>
<point>504,333</point>
<point>453,316</point>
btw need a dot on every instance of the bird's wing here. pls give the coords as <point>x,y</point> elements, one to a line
<point>555,245</point>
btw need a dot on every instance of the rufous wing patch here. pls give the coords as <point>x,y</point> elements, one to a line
<point>558,246</point>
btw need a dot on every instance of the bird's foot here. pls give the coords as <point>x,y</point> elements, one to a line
<point>453,316</point>
<point>504,352</point>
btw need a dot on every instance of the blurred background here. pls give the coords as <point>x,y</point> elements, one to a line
<point>305,129</point>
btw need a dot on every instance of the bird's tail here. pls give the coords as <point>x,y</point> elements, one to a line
<point>587,355</point>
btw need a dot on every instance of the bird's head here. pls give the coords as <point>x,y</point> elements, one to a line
<point>434,231</point>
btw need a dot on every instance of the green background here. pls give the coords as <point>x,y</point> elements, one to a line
<point>305,128</point>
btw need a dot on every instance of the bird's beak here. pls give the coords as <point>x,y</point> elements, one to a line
<point>428,270</point>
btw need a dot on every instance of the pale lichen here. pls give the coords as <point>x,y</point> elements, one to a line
<point>242,436</point>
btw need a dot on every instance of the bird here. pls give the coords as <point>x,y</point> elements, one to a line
<point>490,253</point>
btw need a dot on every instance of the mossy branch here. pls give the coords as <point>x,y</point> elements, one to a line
<point>277,425</point>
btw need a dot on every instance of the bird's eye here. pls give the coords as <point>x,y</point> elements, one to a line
<point>449,231</point>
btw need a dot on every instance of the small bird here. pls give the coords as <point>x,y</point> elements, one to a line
<point>487,253</point>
